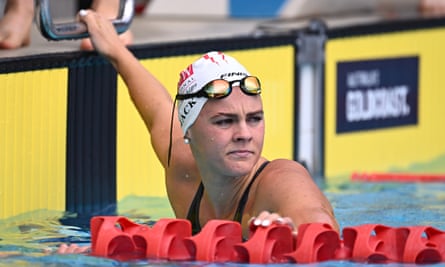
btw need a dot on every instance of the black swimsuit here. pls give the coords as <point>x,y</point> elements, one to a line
<point>193,214</point>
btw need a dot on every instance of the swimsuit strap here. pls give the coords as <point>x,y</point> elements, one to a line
<point>193,214</point>
<point>242,203</point>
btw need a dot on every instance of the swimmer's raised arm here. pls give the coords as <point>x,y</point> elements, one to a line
<point>151,99</point>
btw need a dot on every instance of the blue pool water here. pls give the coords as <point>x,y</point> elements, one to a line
<point>24,238</point>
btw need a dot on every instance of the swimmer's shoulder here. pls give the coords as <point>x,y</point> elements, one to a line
<point>284,166</point>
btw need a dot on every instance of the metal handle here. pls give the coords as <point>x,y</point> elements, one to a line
<point>77,30</point>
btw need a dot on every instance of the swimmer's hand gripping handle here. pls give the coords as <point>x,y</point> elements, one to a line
<point>77,30</point>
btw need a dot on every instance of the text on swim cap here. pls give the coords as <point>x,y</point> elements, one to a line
<point>232,74</point>
<point>186,109</point>
<point>185,74</point>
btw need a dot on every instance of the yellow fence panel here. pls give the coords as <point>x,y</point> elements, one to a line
<point>32,141</point>
<point>384,147</point>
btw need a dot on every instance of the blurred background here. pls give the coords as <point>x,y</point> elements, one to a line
<point>248,8</point>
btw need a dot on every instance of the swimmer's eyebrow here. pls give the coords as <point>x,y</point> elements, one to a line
<point>229,114</point>
<point>259,112</point>
<point>235,114</point>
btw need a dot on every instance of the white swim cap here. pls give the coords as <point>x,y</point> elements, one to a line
<point>211,66</point>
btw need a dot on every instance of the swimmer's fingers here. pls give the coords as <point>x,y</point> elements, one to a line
<point>102,33</point>
<point>265,219</point>
<point>94,21</point>
<point>288,221</point>
<point>72,249</point>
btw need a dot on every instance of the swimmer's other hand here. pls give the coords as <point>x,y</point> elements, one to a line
<point>73,249</point>
<point>265,219</point>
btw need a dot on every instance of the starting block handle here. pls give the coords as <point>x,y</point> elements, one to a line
<point>77,30</point>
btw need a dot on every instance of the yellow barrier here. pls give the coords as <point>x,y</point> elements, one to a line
<point>416,133</point>
<point>32,141</point>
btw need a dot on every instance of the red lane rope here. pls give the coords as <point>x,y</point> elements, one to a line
<point>221,241</point>
<point>397,177</point>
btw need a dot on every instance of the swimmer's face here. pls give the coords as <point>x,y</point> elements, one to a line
<point>228,134</point>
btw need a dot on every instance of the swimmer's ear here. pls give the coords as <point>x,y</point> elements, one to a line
<point>187,137</point>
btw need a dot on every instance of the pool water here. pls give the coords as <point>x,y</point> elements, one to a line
<point>25,238</point>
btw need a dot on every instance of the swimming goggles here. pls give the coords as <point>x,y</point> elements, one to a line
<point>220,88</point>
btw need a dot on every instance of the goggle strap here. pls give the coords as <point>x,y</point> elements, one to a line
<point>170,142</point>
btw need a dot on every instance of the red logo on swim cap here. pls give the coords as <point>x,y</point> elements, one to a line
<point>211,58</point>
<point>185,74</point>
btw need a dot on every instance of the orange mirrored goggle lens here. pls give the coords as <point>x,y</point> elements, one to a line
<point>250,85</point>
